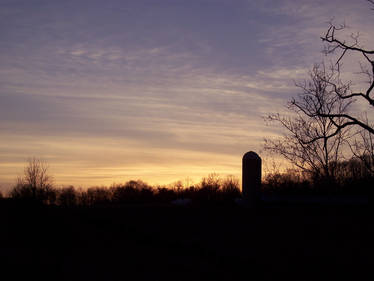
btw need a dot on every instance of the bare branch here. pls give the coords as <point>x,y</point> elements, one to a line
<point>311,141</point>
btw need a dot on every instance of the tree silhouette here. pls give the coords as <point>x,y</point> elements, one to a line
<point>67,197</point>
<point>342,48</point>
<point>36,183</point>
<point>310,142</point>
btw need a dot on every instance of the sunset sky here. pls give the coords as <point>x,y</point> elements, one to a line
<point>108,91</point>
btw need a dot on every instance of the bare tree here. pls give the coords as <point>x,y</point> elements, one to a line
<point>310,142</point>
<point>36,174</point>
<point>36,182</point>
<point>363,149</point>
<point>342,47</point>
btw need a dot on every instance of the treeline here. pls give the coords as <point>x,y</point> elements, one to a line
<point>350,177</point>
<point>211,189</point>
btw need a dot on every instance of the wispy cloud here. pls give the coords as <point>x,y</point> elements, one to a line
<point>114,90</point>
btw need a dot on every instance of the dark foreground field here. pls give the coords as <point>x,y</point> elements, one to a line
<point>186,243</point>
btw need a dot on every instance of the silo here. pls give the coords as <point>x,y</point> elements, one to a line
<point>251,178</point>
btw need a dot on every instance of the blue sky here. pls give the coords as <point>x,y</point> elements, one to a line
<point>107,91</point>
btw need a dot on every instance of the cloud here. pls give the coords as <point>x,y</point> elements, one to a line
<point>125,86</point>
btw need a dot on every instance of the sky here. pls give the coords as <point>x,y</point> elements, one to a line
<point>109,91</point>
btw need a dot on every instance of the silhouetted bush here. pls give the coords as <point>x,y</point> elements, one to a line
<point>165,195</point>
<point>67,197</point>
<point>132,192</point>
<point>209,188</point>
<point>212,189</point>
<point>122,194</point>
<point>231,188</point>
<point>290,182</point>
<point>95,196</point>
